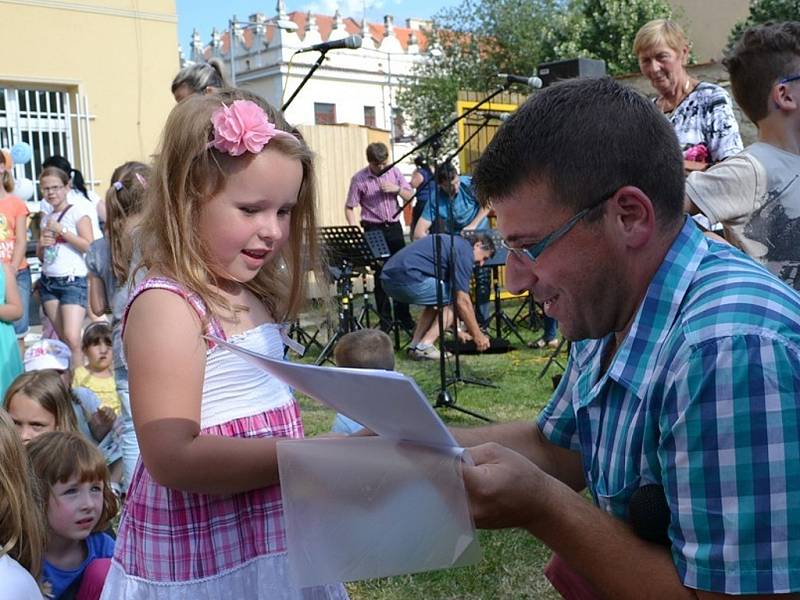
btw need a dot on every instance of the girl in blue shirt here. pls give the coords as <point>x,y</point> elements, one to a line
<point>79,503</point>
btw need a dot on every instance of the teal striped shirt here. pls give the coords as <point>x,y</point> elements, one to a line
<point>702,398</point>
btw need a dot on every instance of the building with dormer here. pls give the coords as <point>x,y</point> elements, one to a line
<point>356,86</point>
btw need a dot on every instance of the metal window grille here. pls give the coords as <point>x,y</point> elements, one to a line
<point>52,121</point>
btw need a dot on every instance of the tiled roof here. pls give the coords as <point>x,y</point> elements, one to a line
<point>325,26</point>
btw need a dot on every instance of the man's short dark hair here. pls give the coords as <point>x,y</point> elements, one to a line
<point>365,349</point>
<point>445,173</point>
<point>486,242</point>
<point>586,138</point>
<point>762,56</point>
<point>377,152</point>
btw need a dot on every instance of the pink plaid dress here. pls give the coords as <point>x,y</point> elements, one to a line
<point>175,544</point>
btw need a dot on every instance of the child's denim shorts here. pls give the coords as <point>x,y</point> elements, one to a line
<point>67,290</point>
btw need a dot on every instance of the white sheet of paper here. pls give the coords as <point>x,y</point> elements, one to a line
<point>364,507</point>
<point>387,402</point>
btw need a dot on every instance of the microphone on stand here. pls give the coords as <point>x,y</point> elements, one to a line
<point>352,42</point>
<point>531,82</point>
<point>489,116</point>
<point>496,116</point>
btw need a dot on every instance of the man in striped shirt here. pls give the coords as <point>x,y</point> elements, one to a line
<point>683,383</point>
<point>376,195</point>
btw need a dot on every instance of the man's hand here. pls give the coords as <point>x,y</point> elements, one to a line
<point>389,187</point>
<point>482,342</point>
<point>503,487</point>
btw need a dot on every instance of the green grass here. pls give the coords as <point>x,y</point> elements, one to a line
<point>513,560</point>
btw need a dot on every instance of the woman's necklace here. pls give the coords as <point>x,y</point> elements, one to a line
<point>668,108</point>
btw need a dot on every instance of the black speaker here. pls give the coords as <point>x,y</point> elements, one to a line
<point>554,71</point>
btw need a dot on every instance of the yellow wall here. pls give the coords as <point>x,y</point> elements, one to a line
<point>121,54</point>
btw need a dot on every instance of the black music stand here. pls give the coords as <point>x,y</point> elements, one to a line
<point>346,252</point>
<point>347,322</point>
<point>499,316</point>
<point>376,241</point>
<point>302,337</point>
<point>553,358</point>
<point>349,252</point>
<point>527,314</point>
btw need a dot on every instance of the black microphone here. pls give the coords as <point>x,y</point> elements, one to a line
<point>352,42</point>
<point>649,514</point>
<point>532,82</point>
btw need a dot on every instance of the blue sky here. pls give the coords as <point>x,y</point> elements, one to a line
<point>205,14</point>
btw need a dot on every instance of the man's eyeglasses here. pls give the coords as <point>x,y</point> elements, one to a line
<point>533,251</point>
<point>788,79</point>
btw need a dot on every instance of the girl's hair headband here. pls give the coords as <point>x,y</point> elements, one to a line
<point>242,127</point>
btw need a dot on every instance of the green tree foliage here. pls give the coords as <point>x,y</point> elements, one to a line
<point>762,11</point>
<point>474,41</point>
<point>606,29</point>
<point>469,45</point>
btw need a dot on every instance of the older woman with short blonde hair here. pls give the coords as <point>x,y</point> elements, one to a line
<point>700,112</point>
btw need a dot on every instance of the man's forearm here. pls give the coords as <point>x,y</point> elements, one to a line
<point>466,312</point>
<point>350,215</point>
<point>603,549</point>
<point>421,229</point>
<point>479,217</point>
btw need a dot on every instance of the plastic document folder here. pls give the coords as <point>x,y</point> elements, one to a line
<point>364,507</point>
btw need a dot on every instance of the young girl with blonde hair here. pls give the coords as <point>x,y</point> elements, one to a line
<point>110,261</point>
<point>40,402</point>
<point>22,532</point>
<point>227,239</point>
<point>79,504</point>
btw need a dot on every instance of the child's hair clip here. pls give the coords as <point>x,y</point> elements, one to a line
<point>142,181</point>
<point>118,186</point>
<point>242,127</point>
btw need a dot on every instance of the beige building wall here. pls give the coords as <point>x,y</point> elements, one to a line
<point>120,54</point>
<point>708,23</point>
<point>340,152</point>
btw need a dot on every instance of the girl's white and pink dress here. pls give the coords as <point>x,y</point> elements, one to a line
<point>180,545</point>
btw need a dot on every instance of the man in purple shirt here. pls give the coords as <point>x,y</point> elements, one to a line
<point>377,196</point>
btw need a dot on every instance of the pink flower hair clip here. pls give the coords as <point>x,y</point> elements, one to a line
<point>242,127</point>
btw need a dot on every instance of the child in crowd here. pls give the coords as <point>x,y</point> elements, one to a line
<point>98,423</point>
<point>79,505</point>
<point>10,310</point>
<point>226,238</point>
<point>13,242</point>
<point>111,261</point>
<point>65,235</point>
<point>97,375</point>
<point>38,403</point>
<point>362,349</point>
<point>77,194</point>
<point>22,530</point>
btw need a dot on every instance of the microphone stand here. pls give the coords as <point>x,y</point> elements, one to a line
<point>314,67</point>
<point>444,399</point>
<point>486,120</point>
<point>437,134</point>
